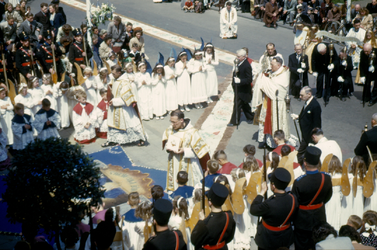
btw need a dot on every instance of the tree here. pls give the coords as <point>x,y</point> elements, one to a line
<point>48,181</point>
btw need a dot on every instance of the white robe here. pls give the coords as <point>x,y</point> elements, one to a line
<point>38,95</point>
<point>211,76</point>
<point>158,95</point>
<point>50,97</point>
<point>170,89</point>
<point>329,147</point>
<point>28,103</point>
<point>183,84</point>
<point>39,122</point>
<point>144,103</point>
<point>334,205</point>
<point>90,85</point>
<point>228,22</point>
<point>79,121</point>
<point>20,140</point>
<point>267,87</point>
<point>6,118</point>
<point>63,107</point>
<point>371,202</point>
<point>198,81</point>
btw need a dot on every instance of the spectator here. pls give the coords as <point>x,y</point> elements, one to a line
<point>226,166</point>
<point>117,30</point>
<point>32,29</point>
<point>326,146</point>
<point>105,48</point>
<point>59,9</point>
<point>189,6</point>
<point>355,11</point>
<point>313,10</point>
<point>43,17</point>
<point>129,32</point>
<point>259,7</point>
<point>350,232</point>
<point>289,11</point>
<point>10,11</point>
<point>56,18</point>
<point>139,39</point>
<point>372,7</point>
<point>325,237</point>
<point>9,29</point>
<point>65,30</point>
<point>368,139</point>
<point>22,9</point>
<point>333,16</point>
<point>366,19</point>
<point>2,9</point>
<point>370,38</point>
<point>326,6</point>
<point>271,14</point>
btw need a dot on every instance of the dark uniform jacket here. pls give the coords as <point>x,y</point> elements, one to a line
<point>274,212</point>
<point>45,55</point>
<point>75,54</point>
<point>309,118</point>
<point>9,60</point>
<point>368,138</point>
<point>23,60</point>
<point>364,66</point>
<point>305,188</point>
<point>345,72</point>
<point>165,240</point>
<point>246,76</point>
<point>208,231</point>
<point>294,65</point>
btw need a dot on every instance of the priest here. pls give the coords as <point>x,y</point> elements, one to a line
<point>187,151</point>
<point>271,89</point>
<point>123,119</point>
<point>228,22</point>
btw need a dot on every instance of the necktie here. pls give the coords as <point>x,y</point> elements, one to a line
<point>298,58</point>
<point>306,104</point>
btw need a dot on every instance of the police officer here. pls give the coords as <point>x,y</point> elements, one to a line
<point>165,239</point>
<point>46,56</point>
<point>277,213</point>
<point>313,191</point>
<point>215,231</point>
<point>77,53</point>
<point>24,57</point>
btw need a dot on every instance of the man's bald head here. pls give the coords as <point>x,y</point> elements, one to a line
<point>367,48</point>
<point>357,7</point>
<point>374,119</point>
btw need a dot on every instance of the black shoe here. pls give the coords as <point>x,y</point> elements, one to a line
<point>230,125</point>
<point>370,104</point>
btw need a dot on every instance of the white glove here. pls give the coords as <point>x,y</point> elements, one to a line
<point>294,116</point>
<point>303,65</point>
<point>330,67</point>
<point>237,80</point>
<point>344,63</point>
<point>371,69</point>
<point>362,79</point>
<point>340,79</point>
<point>315,74</point>
<point>300,71</point>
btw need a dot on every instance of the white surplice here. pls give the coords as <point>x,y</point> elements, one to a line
<point>79,122</point>
<point>6,118</point>
<point>40,120</point>
<point>48,88</point>
<point>63,107</point>
<point>21,137</point>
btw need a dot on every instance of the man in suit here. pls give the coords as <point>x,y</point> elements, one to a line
<point>43,17</point>
<point>32,29</point>
<point>9,29</point>
<point>344,68</point>
<point>277,212</point>
<point>322,68</point>
<point>298,65</point>
<point>241,82</point>
<point>117,30</point>
<point>128,36</point>
<point>313,190</point>
<point>368,138</point>
<point>368,73</point>
<point>309,118</point>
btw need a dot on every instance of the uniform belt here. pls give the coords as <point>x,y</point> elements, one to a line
<point>1,70</point>
<point>26,64</point>
<point>214,247</point>
<point>275,229</point>
<point>310,207</point>
<point>50,60</point>
<point>79,59</point>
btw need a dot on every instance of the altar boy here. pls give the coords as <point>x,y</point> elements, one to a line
<point>22,128</point>
<point>47,121</point>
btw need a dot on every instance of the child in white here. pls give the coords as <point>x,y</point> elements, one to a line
<point>198,79</point>
<point>90,85</point>
<point>143,81</point>
<point>84,119</point>
<point>25,99</point>
<point>101,114</point>
<point>171,85</point>
<point>47,87</point>
<point>60,93</point>
<point>211,77</point>
<point>183,82</point>
<point>36,93</point>
<point>47,121</point>
<point>21,128</point>
<point>6,108</point>
<point>158,91</point>
<point>178,219</point>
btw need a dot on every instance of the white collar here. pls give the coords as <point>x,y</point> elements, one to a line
<point>309,100</point>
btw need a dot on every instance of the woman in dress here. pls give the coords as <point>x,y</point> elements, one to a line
<point>158,91</point>
<point>211,77</point>
<point>171,85</point>
<point>183,82</point>
<point>198,79</point>
<point>139,39</point>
